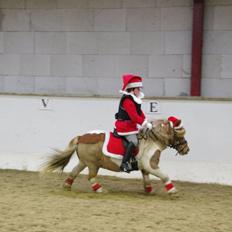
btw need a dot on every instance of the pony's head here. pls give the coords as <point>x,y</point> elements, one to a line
<point>170,135</point>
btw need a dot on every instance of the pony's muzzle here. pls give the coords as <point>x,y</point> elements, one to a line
<point>183,148</point>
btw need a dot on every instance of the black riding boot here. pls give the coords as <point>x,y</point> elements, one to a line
<point>126,166</point>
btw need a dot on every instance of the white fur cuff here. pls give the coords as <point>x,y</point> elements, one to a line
<point>144,123</point>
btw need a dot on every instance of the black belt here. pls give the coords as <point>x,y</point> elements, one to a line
<point>125,141</point>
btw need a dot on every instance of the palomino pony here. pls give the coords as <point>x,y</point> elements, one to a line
<point>89,151</point>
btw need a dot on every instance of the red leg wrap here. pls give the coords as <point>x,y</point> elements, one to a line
<point>169,186</point>
<point>148,189</point>
<point>96,186</point>
<point>69,181</point>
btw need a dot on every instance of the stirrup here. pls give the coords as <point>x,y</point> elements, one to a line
<point>126,167</point>
<point>134,165</point>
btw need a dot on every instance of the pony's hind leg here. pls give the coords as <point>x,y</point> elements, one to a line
<point>96,186</point>
<point>72,175</point>
<point>146,182</point>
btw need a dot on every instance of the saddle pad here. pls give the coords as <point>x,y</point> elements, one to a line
<point>113,146</point>
<point>91,138</point>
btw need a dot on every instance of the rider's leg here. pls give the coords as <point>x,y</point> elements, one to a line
<point>125,166</point>
<point>132,143</point>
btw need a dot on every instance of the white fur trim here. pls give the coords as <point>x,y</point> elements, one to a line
<point>136,99</point>
<point>172,190</point>
<point>134,85</point>
<point>128,133</point>
<point>176,127</point>
<point>171,123</point>
<point>104,148</point>
<point>180,126</point>
<point>96,132</point>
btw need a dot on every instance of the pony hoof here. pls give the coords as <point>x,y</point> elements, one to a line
<point>105,191</point>
<point>68,184</point>
<point>100,190</point>
<point>67,187</point>
<point>172,191</point>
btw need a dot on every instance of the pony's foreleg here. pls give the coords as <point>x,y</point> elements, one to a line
<point>146,182</point>
<point>150,164</point>
<point>169,186</point>
<point>72,175</point>
<point>96,186</point>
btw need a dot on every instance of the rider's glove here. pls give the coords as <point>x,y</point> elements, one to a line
<point>147,125</point>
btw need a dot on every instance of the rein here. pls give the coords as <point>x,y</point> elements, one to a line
<point>143,135</point>
<point>146,134</point>
<point>152,135</point>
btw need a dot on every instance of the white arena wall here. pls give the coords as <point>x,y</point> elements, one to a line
<point>30,126</point>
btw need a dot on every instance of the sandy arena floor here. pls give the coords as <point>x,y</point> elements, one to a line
<point>30,203</point>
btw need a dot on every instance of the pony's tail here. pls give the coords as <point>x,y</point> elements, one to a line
<point>59,159</point>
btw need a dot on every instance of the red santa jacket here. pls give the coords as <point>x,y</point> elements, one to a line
<point>129,115</point>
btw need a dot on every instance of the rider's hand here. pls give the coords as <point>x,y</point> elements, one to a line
<point>146,125</point>
<point>149,126</point>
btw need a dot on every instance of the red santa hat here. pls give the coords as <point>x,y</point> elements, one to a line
<point>175,122</point>
<point>131,81</point>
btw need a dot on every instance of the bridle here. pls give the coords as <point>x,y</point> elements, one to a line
<point>177,142</point>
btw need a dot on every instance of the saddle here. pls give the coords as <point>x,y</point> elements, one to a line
<point>114,145</point>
